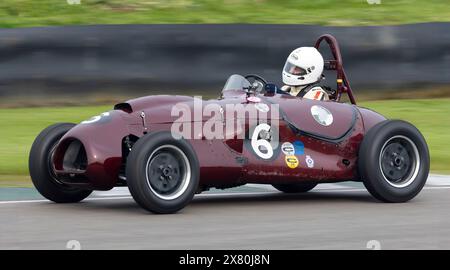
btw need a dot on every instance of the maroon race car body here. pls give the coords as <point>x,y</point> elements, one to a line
<point>94,155</point>
<point>334,148</point>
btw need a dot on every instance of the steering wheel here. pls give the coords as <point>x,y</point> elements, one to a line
<point>258,83</point>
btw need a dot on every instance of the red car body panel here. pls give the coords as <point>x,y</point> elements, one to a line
<point>225,163</point>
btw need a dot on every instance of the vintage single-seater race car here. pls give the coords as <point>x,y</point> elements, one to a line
<point>168,148</point>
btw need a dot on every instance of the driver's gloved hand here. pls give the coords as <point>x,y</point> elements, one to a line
<point>271,88</point>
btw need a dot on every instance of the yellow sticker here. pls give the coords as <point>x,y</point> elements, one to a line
<point>291,161</point>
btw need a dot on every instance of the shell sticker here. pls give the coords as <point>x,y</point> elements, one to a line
<point>288,149</point>
<point>291,161</point>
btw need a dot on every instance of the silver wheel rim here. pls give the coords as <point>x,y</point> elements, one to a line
<point>184,177</point>
<point>413,161</point>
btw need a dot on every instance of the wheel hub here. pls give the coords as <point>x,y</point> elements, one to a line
<point>399,161</point>
<point>396,162</point>
<point>164,172</point>
<point>168,172</point>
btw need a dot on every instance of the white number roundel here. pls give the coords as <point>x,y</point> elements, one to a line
<point>261,143</point>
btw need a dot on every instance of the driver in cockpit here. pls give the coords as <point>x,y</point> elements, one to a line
<point>302,74</point>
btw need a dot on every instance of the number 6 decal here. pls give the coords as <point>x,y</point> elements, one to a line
<point>261,143</point>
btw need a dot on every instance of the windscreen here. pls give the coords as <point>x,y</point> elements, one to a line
<point>236,82</point>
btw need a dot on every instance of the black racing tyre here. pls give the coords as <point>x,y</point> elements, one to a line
<point>394,161</point>
<point>41,171</point>
<point>295,188</point>
<point>162,172</point>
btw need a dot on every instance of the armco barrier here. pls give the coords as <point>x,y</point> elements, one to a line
<point>200,57</point>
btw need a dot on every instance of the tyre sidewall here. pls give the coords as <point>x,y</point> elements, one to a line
<point>137,174</point>
<point>369,161</point>
<point>40,172</point>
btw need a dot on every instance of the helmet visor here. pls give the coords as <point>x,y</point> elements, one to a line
<point>293,69</point>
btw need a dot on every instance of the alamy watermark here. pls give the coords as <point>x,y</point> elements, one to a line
<point>373,245</point>
<point>253,120</point>
<point>73,245</point>
<point>203,120</point>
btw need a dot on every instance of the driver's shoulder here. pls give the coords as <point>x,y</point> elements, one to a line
<point>285,88</point>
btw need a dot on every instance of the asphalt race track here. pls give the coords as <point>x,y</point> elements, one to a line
<point>332,216</point>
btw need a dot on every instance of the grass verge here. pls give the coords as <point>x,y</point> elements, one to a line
<point>30,13</point>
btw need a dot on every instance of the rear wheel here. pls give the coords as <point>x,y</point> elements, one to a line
<point>394,161</point>
<point>295,188</point>
<point>162,172</point>
<point>41,169</point>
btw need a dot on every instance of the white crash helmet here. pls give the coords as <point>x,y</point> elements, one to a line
<point>303,66</point>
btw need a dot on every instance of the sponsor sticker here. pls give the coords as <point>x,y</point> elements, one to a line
<point>262,107</point>
<point>288,149</point>
<point>299,148</point>
<point>309,162</point>
<point>291,161</point>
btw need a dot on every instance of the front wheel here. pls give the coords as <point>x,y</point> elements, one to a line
<point>41,169</point>
<point>162,172</point>
<point>394,161</point>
